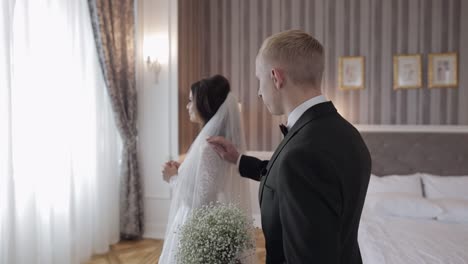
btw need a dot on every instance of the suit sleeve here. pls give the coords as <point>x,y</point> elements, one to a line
<point>310,207</point>
<point>251,167</point>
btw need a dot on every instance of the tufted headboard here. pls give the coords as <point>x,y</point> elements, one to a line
<point>439,150</point>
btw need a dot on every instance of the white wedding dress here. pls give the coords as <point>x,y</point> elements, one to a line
<point>204,177</point>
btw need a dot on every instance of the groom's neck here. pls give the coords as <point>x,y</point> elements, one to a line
<point>297,96</point>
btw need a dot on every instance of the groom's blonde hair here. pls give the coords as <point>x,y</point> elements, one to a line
<point>297,53</point>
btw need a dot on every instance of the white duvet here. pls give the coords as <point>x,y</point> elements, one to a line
<point>398,240</point>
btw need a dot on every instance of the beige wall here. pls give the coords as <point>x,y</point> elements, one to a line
<point>225,35</point>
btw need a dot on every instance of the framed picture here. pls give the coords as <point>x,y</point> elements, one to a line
<point>407,71</point>
<point>351,73</point>
<point>443,70</point>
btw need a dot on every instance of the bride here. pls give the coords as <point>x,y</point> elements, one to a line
<point>204,177</point>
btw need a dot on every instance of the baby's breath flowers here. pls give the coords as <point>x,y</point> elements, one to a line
<point>215,234</point>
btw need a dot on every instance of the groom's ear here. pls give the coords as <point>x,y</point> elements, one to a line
<point>277,75</point>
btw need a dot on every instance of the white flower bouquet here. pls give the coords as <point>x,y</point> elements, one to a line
<point>215,234</point>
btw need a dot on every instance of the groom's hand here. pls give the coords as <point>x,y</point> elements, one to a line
<point>224,148</point>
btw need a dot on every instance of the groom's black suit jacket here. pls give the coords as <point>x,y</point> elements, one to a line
<point>312,190</point>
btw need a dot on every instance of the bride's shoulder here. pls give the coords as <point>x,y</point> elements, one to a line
<point>205,147</point>
<point>207,150</point>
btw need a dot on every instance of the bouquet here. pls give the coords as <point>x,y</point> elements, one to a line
<point>215,234</point>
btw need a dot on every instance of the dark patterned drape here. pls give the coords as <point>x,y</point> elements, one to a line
<point>114,27</point>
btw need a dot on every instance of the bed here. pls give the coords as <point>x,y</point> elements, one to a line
<point>409,225</point>
<point>416,210</point>
<point>387,239</point>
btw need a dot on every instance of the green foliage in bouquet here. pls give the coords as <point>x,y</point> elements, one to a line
<point>215,234</point>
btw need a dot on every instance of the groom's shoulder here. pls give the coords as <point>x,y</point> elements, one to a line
<point>324,125</point>
<point>330,130</point>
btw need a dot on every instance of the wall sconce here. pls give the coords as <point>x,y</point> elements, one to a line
<point>153,65</point>
<point>156,53</point>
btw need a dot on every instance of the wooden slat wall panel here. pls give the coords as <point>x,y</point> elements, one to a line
<point>223,36</point>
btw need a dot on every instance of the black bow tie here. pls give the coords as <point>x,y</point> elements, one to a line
<point>283,129</point>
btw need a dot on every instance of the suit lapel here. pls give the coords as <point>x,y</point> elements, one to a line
<point>312,113</point>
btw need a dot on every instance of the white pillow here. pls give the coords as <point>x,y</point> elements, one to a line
<point>402,204</point>
<point>453,210</point>
<point>396,183</point>
<point>440,187</point>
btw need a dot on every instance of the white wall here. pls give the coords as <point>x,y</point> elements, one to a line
<point>157,107</point>
<point>157,111</point>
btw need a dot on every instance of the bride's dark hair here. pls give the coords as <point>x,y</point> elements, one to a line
<point>209,94</point>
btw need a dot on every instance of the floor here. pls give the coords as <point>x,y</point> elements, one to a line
<point>148,250</point>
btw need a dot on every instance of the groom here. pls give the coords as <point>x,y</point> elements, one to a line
<point>312,190</point>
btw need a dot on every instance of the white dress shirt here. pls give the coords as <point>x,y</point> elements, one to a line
<point>298,112</point>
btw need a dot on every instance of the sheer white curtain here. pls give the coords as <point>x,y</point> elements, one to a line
<point>59,148</point>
